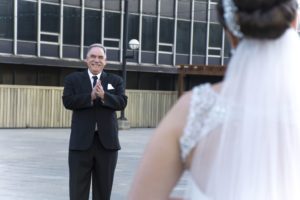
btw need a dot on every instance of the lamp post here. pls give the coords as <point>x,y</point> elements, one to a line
<point>133,44</point>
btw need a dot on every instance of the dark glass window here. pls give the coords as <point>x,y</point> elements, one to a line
<point>215,35</point>
<point>184,9</point>
<point>200,11</point>
<point>134,6</point>
<point>183,37</point>
<point>166,34</point>
<point>149,33</point>
<point>72,25</point>
<point>50,18</point>
<point>199,42</point>
<point>227,47</point>
<point>93,4</point>
<point>150,7</point>
<point>54,1</point>
<point>6,19</point>
<point>214,13</point>
<point>112,25</point>
<point>133,27</point>
<point>27,20</point>
<point>72,2</point>
<point>167,8</point>
<point>113,5</point>
<point>49,38</point>
<point>92,27</point>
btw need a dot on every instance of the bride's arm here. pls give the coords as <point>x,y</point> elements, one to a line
<point>161,166</point>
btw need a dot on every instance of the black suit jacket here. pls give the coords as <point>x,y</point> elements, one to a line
<point>77,97</point>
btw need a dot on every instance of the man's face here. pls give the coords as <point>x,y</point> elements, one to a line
<point>96,60</point>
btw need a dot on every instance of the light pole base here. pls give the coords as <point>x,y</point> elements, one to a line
<point>123,124</point>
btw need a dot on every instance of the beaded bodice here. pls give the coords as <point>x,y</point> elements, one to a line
<point>206,112</point>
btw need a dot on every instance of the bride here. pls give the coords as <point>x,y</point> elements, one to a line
<point>240,139</point>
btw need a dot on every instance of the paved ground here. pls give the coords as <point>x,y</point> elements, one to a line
<point>33,163</point>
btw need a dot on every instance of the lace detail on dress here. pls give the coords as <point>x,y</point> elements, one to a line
<point>205,114</point>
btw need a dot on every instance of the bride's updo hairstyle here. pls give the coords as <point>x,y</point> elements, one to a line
<point>262,19</point>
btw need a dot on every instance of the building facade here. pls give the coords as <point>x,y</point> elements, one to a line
<point>43,40</point>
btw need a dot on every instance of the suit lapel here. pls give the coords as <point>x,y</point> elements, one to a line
<point>104,80</point>
<point>86,81</point>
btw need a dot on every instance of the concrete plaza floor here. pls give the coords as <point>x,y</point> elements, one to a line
<point>34,163</point>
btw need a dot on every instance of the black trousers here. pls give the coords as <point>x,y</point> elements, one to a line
<point>96,163</point>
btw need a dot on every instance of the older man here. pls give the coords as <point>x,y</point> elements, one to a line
<point>93,95</point>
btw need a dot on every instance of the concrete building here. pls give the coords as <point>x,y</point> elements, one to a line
<point>43,40</point>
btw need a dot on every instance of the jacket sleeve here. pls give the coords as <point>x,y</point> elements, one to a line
<point>118,99</point>
<point>73,98</point>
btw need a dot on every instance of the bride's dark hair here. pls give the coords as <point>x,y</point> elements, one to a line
<point>263,19</point>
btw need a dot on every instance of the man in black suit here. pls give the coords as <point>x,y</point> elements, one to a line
<point>93,96</point>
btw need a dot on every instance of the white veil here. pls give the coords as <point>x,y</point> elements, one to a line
<point>255,153</point>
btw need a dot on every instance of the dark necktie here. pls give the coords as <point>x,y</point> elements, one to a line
<point>95,80</point>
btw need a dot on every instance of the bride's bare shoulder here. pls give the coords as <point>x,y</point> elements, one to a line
<point>217,87</point>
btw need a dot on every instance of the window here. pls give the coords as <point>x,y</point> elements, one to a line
<point>6,19</point>
<point>50,25</point>
<point>93,4</point>
<point>133,27</point>
<point>72,2</point>
<point>113,5</point>
<point>227,47</point>
<point>214,13</point>
<point>149,33</point>
<point>150,7</point>
<point>184,9</point>
<point>27,17</point>
<point>200,11</point>
<point>72,25</point>
<point>112,25</point>
<point>166,35</point>
<point>92,27</point>
<point>183,37</point>
<point>50,18</point>
<point>167,8</point>
<point>199,42</point>
<point>166,30</point>
<point>215,35</point>
<point>134,6</point>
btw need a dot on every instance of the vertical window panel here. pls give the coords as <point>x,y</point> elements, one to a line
<point>92,27</point>
<point>113,5</point>
<point>199,45</point>
<point>227,48</point>
<point>200,11</point>
<point>93,4</point>
<point>166,34</point>
<point>183,37</point>
<point>167,8</point>
<point>215,35</point>
<point>214,13</point>
<point>184,9</point>
<point>112,25</point>
<point>72,25</point>
<point>73,2</point>
<point>133,27</point>
<point>149,33</point>
<point>6,19</point>
<point>50,18</point>
<point>27,20</point>
<point>150,7</point>
<point>134,6</point>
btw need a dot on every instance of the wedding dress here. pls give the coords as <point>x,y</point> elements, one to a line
<point>245,140</point>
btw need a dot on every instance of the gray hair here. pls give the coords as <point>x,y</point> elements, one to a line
<point>96,45</point>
